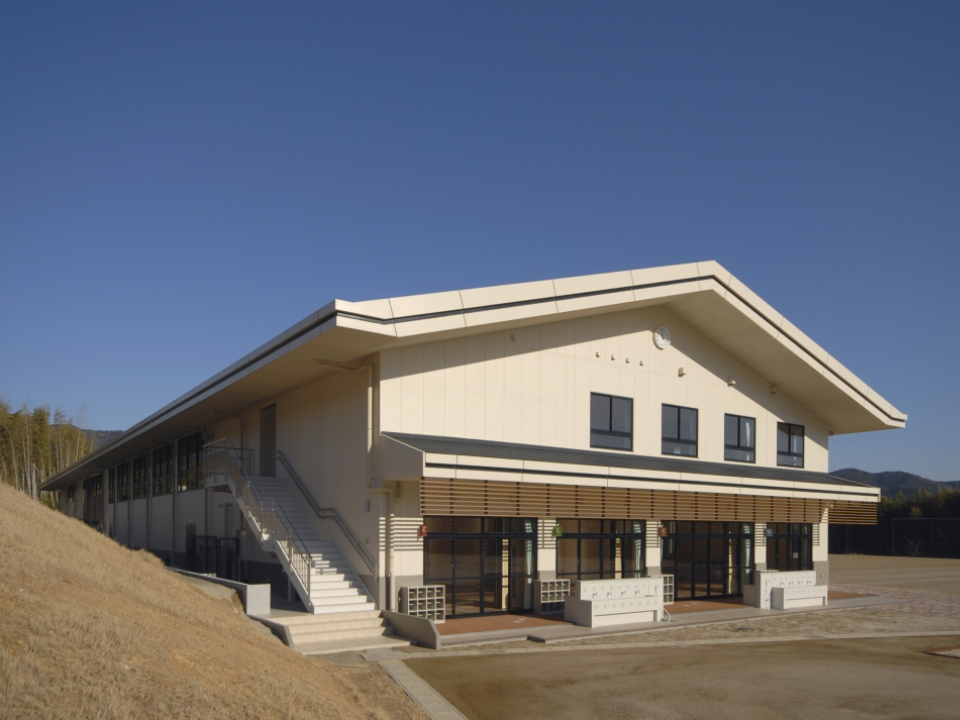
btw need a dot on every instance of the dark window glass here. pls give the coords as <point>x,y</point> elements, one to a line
<point>611,422</point>
<point>163,470</point>
<point>189,462</point>
<point>739,438</point>
<point>789,445</point>
<point>600,412</point>
<point>595,549</point>
<point>789,546</point>
<point>679,430</point>
<point>123,482</point>
<point>140,477</point>
<point>485,564</point>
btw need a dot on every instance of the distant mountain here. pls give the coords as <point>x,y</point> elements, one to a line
<point>103,437</point>
<point>893,482</point>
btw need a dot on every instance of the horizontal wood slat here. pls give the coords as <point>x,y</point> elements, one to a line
<point>506,499</point>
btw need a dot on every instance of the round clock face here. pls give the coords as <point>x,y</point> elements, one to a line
<point>661,337</point>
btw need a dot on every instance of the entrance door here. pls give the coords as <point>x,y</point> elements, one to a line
<point>708,559</point>
<point>268,441</point>
<point>486,565</point>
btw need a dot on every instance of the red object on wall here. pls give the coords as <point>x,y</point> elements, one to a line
<point>422,531</point>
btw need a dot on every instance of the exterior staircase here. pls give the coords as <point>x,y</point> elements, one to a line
<point>341,614</point>
<point>334,585</point>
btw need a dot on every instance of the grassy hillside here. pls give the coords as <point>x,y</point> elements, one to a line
<point>89,629</point>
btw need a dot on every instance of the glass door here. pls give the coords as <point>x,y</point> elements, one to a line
<point>486,565</point>
<point>708,559</point>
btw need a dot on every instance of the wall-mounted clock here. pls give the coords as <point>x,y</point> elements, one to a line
<point>661,337</point>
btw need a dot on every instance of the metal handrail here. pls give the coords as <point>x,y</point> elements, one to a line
<point>329,513</point>
<point>221,455</point>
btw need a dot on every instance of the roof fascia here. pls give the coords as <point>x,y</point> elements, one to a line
<point>423,317</point>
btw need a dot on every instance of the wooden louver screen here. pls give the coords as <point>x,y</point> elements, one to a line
<point>507,499</point>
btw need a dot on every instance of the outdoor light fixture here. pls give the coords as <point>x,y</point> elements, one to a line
<point>422,531</point>
<point>769,532</point>
<point>731,382</point>
<point>557,530</point>
<point>681,372</point>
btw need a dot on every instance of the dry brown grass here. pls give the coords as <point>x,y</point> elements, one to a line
<point>89,629</point>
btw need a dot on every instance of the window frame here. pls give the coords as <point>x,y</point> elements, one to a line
<point>612,537</point>
<point>789,539</point>
<point>611,433</point>
<point>664,439</point>
<point>803,435</point>
<point>139,477</point>
<point>739,447</point>
<point>162,459</point>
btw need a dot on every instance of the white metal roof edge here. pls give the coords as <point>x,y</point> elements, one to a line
<point>417,308</point>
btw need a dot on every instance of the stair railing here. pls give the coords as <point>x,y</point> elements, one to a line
<point>222,458</point>
<point>329,513</point>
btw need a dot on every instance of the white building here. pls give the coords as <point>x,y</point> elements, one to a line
<point>652,421</point>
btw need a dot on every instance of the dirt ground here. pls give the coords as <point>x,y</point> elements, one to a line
<point>803,665</point>
<point>938,575</point>
<point>876,678</point>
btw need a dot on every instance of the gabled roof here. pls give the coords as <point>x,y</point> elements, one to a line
<point>704,295</point>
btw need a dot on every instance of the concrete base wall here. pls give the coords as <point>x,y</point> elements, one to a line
<point>822,569</point>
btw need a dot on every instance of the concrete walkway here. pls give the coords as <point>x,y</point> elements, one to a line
<point>428,698</point>
<point>563,631</point>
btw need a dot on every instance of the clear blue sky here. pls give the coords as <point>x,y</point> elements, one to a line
<point>181,181</point>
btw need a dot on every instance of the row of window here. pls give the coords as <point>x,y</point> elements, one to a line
<point>611,427</point>
<point>133,481</point>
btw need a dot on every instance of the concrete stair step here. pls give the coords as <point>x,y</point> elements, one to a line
<point>325,574</point>
<point>308,619</point>
<point>352,645</point>
<point>326,636</point>
<point>324,623</point>
<point>332,584</point>
<point>308,633</point>
<point>317,594</point>
<point>340,607</point>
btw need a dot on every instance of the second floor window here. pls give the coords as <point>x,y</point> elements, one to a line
<point>679,431</point>
<point>611,422</point>
<point>789,445</point>
<point>739,438</point>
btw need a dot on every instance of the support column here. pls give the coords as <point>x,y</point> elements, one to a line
<point>652,546</point>
<point>546,549</point>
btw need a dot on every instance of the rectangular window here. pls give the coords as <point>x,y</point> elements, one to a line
<point>679,432</point>
<point>140,477</point>
<point>790,445</point>
<point>190,462</point>
<point>611,422</point>
<point>123,482</point>
<point>739,438</point>
<point>163,470</point>
<point>600,549</point>
<point>789,546</point>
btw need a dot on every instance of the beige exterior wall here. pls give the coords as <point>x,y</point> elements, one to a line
<point>532,385</point>
<point>322,431</point>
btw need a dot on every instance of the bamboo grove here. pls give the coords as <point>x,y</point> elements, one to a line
<point>35,445</point>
